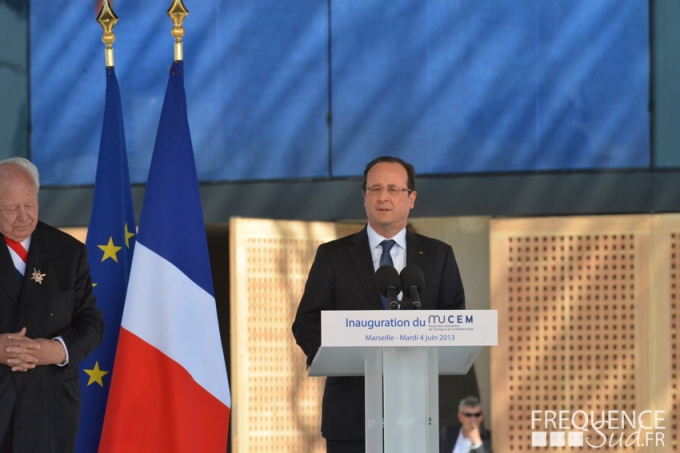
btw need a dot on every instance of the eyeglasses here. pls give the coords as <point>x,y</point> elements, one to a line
<point>472,414</point>
<point>392,191</point>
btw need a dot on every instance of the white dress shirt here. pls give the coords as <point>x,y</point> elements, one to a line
<point>398,251</point>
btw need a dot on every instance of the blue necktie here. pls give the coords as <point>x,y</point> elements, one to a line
<point>386,260</point>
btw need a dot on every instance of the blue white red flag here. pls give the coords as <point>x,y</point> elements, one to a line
<point>170,391</point>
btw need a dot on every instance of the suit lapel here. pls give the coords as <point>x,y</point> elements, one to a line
<point>10,277</point>
<point>360,254</point>
<point>414,255</point>
<point>10,288</point>
<point>34,293</point>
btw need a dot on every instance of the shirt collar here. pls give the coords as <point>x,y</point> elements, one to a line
<point>374,239</point>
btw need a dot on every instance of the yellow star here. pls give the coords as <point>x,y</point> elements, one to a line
<point>96,375</point>
<point>128,235</point>
<point>110,250</point>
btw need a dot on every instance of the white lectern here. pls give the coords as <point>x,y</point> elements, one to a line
<point>401,354</point>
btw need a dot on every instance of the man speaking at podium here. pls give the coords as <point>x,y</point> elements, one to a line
<point>342,277</point>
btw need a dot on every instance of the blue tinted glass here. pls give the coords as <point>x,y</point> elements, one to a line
<point>491,85</point>
<point>256,84</point>
<point>453,86</point>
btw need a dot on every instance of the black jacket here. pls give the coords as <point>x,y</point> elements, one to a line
<point>449,435</point>
<point>342,278</point>
<point>46,399</point>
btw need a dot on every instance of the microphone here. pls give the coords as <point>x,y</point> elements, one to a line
<point>413,282</point>
<point>389,284</point>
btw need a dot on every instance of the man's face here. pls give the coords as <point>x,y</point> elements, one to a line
<point>18,203</point>
<point>387,213</point>
<point>470,417</point>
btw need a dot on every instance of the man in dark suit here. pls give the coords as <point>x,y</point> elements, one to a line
<point>470,436</point>
<point>49,321</point>
<point>342,277</point>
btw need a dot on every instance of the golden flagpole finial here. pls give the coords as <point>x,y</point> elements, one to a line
<point>107,19</point>
<point>178,13</point>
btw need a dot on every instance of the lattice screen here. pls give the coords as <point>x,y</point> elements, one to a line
<point>675,331</point>
<point>667,248</point>
<point>276,407</point>
<point>582,306</point>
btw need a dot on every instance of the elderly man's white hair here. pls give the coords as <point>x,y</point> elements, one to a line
<point>28,165</point>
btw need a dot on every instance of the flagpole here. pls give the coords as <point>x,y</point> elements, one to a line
<point>111,238</point>
<point>178,13</point>
<point>177,400</point>
<point>107,19</point>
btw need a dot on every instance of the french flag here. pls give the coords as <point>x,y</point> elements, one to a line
<point>169,391</point>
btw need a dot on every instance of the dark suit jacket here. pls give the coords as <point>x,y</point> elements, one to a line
<point>46,399</point>
<point>449,435</point>
<point>342,278</point>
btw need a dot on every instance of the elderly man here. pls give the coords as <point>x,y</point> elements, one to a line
<point>470,436</point>
<point>49,320</point>
<point>342,277</point>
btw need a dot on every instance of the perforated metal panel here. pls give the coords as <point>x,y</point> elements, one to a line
<point>663,328</point>
<point>573,296</point>
<point>276,406</point>
<point>571,309</point>
<point>675,337</point>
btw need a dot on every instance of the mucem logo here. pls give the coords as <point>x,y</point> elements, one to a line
<point>450,322</point>
<point>597,429</point>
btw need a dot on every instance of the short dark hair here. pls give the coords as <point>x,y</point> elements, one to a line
<point>468,401</point>
<point>410,171</point>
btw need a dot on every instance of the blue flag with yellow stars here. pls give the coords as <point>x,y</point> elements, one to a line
<point>110,242</point>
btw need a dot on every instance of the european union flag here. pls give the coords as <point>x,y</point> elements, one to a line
<point>179,400</point>
<point>110,242</point>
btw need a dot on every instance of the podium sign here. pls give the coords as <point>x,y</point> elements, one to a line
<point>401,354</point>
<point>409,328</point>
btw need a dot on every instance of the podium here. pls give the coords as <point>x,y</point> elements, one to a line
<point>401,354</point>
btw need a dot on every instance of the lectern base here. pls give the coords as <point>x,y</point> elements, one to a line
<point>402,384</point>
